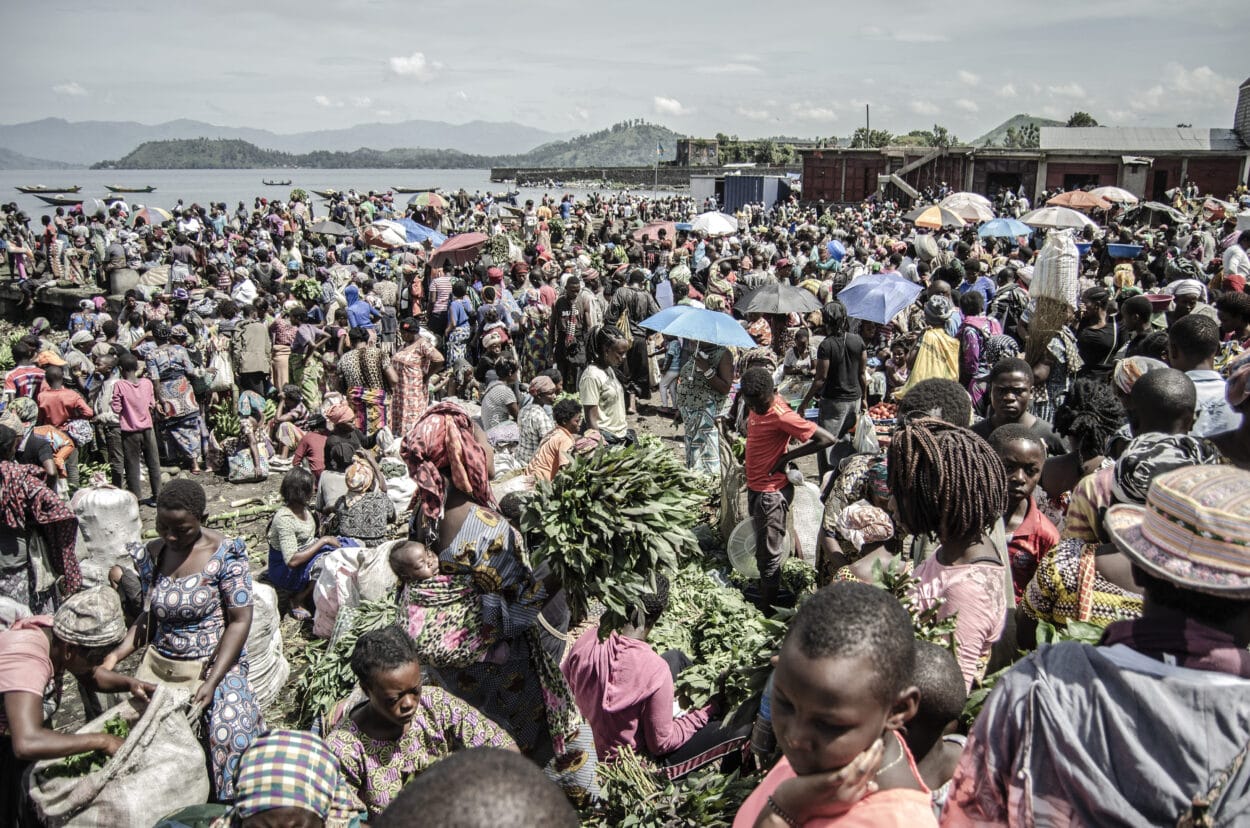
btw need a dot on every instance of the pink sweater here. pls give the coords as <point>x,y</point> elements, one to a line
<point>625,691</point>
<point>133,403</point>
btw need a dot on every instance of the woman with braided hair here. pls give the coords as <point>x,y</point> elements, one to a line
<point>957,490</point>
<point>1090,417</point>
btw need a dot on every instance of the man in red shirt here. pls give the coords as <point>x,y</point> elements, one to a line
<point>771,425</point>
<point>58,404</point>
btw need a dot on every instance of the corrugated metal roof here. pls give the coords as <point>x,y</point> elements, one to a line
<point>1121,140</point>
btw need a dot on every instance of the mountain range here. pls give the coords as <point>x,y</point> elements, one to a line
<point>86,142</point>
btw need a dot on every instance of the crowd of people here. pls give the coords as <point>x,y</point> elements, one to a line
<point>1036,480</point>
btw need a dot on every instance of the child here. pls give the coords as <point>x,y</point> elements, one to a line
<point>930,734</point>
<point>670,365</point>
<point>402,728</point>
<point>1030,533</point>
<point>289,423</point>
<point>441,612</point>
<point>896,370</point>
<point>133,403</point>
<point>877,384</point>
<point>842,691</point>
<point>295,549</point>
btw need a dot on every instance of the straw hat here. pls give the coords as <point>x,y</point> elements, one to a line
<point>1194,530</point>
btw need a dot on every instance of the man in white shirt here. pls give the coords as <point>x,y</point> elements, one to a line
<point>1237,262</point>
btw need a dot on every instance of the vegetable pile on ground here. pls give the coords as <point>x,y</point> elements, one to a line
<point>81,764</point>
<point>329,679</point>
<point>610,522</point>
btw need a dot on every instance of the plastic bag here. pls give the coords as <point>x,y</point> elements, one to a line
<point>865,439</point>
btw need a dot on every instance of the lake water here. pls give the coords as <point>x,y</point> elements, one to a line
<point>233,186</point>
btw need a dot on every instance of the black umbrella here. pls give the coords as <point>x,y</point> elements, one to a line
<point>328,228</point>
<point>1156,209</point>
<point>778,298</point>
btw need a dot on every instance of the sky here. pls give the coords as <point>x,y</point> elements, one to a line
<point>744,68</point>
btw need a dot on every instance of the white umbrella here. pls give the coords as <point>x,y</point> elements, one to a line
<point>969,210</point>
<point>1116,194</point>
<point>715,224</point>
<point>1057,218</point>
<point>975,198</point>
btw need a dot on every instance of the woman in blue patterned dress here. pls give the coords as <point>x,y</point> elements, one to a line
<point>197,595</point>
<point>169,366</point>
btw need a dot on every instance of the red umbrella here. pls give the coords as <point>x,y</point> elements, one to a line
<point>1080,200</point>
<point>460,249</point>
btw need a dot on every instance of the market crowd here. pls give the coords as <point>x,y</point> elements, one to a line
<point>1045,431</point>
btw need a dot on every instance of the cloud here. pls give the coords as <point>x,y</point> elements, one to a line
<point>729,69</point>
<point>877,33</point>
<point>669,106</point>
<point>74,89</point>
<point>806,111</point>
<point>383,113</point>
<point>362,102</point>
<point>967,105</point>
<point>1067,90</point>
<point>968,78</point>
<point>1007,90</point>
<point>415,65</point>
<point>753,114</point>
<point>580,113</point>
<point>322,100</point>
<point>923,108</point>
<point>1196,87</point>
<point>462,95</point>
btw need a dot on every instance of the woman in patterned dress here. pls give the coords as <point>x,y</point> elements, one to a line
<point>519,685</point>
<point>413,365</point>
<point>169,366</point>
<point>536,345</point>
<point>365,377</point>
<point>198,593</point>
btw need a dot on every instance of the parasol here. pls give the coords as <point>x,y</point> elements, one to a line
<point>460,249</point>
<point>1079,200</point>
<point>659,321</point>
<point>968,206</point>
<point>935,217</point>
<point>878,297</point>
<point>1057,218</point>
<point>712,327</point>
<point>385,234</point>
<point>1004,228</point>
<point>778,298</point>
<point>1157,209</point>
<point>154,216</point>
<point>1118,195</point>
<point>429,200</point>
<point>418,233</point>
<point>715,224</point>
<point>328,228</point>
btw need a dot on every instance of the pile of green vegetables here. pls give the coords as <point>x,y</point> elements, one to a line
<point>329,679</point>
<point>636,794</point>
<point>610,522</point>
<point>81,764</point>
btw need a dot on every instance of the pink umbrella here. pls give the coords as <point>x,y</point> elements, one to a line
<point>460,249</point>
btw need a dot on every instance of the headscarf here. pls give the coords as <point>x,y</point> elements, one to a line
<point>1237,390</point>
<point>492,338</point>
<point>937,310</point>
<point>25,409</point>
<point>862,523</point>
<point>1188,287</point>
<point>1128,371</point>
<point>340,414</point>
<point>878,480</point>
<point>91,618</point>
<point>542,385</point>
<point>999,347</point>
<point>359,477</point>
<point>443,439</point>
<point>286,769</point>
<point>1150,455</point>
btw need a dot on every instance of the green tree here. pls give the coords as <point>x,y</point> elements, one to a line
<point>1082,119</point>
<point>942,137</point>
<point>1026,137</point>
<point>876,138</point>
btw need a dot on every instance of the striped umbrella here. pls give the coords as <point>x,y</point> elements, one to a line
<point>154,216</point>
<point>429,200</point>
<point>934,217</point>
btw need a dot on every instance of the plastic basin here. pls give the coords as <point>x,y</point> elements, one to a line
<point>1124,251</point>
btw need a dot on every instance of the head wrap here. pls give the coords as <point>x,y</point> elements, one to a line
<point>81,338</point>
<point>999,347</point>
<point>494,274</point>
<point>1128,371</point>
<point>26,409</point>
<point>877,482</point>
<point>251,404</point>
<point>101,349</point>
<point>340,414</point>
<point>542,385</point>
<point>443,439</point>
<point>1238,388</point>
<point>1150,455</point>
<point>46,358</point>
<point>1188,287</point>
<point>39,325</point>
<point>286,769</point>
<point>937,310</point>
<point>862,523</point>
<point>359,477</point>
<point>86,304</point>
<point>492,338</point>
<point>90,618</point>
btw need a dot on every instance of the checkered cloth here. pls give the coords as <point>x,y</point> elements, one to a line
<point>286,769</point>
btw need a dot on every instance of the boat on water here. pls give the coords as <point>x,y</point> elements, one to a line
<point>60,200</point>
<point>113,188</point>
<point>269,183</point>
<point>412,189</point>
<point>33,189</point>
<point>327,193</point>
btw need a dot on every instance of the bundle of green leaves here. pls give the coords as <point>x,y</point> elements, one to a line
<point>306,288</point>
<point>329,678</point>
<point>81,764</point>
<point>610,522</point>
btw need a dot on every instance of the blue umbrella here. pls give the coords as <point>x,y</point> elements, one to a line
<point>418,233</point>
<point>836,249</point>
<point>683,225</point>
<point>878,298</point>
<point>659,321</point>
<point>1004,228</point>
<point>712,327</point>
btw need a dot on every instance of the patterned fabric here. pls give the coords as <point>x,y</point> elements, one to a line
<point>376,770</point>
<point>534,424</point>
<point>411,395</point>
<point>443,616</point>
<point>536,345</point>
<point>190,616</point>
<point>1065,363</point>
<point>443,439</point>
<point>283,331</point>
<point>368,408</point>
<point>306,372</point>
<point>28,505</point>
<point>362,367</point>
<point>182,425</point>
<point>458,345</point>
<point>1150,455</point>
<point>287,769</point>
<point>366,519</point>
<point>1056,593</point>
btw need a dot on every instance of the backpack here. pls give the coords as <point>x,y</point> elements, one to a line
<point>982,369</point>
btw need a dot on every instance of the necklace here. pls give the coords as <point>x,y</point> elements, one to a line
<point>892,762</point>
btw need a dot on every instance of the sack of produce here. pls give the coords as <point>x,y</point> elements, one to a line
<point>268,668</point>
<point>1053,290</point>
<point>159,767</point>
<point>108,519</point>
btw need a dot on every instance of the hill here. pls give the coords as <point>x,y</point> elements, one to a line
<point>82,142</point>
<point>631,143</point>
<point>998,134</point>
<point>10,160</point>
